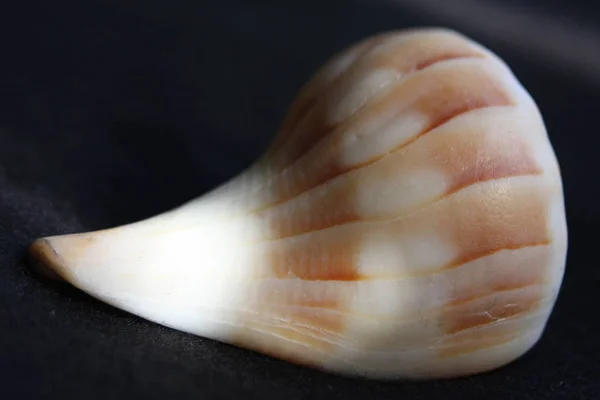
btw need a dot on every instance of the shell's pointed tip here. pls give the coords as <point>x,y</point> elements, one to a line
<point>44,260</point>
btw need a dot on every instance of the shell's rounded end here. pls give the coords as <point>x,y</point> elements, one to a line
<point>44,260</point>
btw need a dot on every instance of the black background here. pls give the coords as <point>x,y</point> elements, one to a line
<point>114,110</point>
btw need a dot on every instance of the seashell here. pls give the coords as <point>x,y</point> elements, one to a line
<point>407,222</point>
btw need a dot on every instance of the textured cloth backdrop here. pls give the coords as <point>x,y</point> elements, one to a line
<point>115,110</point>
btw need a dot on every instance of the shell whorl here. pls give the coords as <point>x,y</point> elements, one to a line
<point>406,222</point>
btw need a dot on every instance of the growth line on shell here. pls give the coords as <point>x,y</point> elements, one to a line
<point>403,76</point>
<point>373,161</point>
<point>331,129</point>
<point>416,210</point>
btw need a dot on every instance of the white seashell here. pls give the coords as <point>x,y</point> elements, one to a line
<point>406,222</point>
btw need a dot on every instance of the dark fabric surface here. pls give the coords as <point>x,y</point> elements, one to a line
<point>111,111</point>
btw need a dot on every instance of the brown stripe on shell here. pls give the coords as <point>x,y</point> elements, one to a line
<point>446,56</point>
<point>512,270</point>
<point>501,157</point>
<point>305,313</point>
<point>308,313</point>
<point>412,53</point>
<point>465,153</point>
<point>326,207</point>
<point>477,343</point>
<point>460,92</point>
<point>311,335</point>
<point>511,291</point>
<point>292,319</point>
<point>312,259</point>
<point>479,222</point>
<point>440,95</point>
<point>417,51</point>
<point>491,309</point>
<point>283,343</point>
<point>303,301</point>
<point>309,95</point>
<point>498,220</point>
<point>484,336</point>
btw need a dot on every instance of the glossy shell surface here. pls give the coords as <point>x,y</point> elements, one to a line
<point>406,222</point>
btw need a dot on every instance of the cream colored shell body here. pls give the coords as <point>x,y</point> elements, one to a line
<point>406,222</point>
